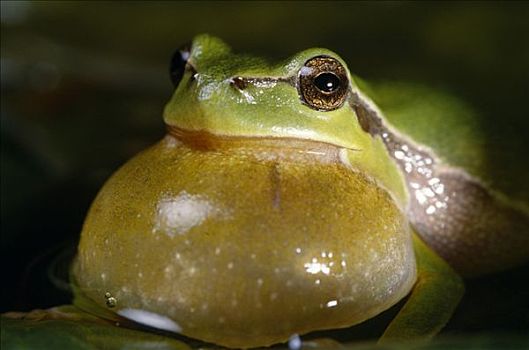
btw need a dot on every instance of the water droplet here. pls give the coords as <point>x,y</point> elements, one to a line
<point>110,300</point>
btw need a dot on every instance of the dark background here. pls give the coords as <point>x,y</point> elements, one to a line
<point>84,85</point>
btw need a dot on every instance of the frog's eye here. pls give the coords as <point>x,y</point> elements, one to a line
<point>323,83</point>
<point>178,65</point>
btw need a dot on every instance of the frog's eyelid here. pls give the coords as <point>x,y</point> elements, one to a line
<point>243,82</point>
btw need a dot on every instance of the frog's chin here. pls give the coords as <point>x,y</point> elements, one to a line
<point>205,140</point>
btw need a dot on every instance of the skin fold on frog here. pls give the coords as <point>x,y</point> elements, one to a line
<point>281,201</point>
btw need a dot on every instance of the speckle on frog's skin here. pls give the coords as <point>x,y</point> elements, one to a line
<point>428,190</point>
<point>150,319</point>
<point>168,271</point>
<point>248,97</point>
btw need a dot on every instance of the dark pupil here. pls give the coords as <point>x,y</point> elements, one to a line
<point>327,82</point>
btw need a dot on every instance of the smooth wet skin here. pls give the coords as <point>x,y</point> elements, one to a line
<point>282,202</point>
<point>225,265</point>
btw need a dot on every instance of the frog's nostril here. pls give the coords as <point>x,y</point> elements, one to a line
<point>239,83</point>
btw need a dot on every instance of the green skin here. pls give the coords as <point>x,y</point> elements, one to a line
<point>259,216</point>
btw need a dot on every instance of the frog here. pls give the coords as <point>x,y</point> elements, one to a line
<point>284,200</point>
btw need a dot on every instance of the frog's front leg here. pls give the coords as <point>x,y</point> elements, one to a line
<point>432,301</point>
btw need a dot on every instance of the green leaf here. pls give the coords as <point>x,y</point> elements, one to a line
<point>66,327</point>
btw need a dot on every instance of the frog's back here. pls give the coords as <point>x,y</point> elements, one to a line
<point>470,202</point>
<point>487,149</point>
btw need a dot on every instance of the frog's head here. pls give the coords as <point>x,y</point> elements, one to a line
<point>309,96</point>
<point>306,96</point>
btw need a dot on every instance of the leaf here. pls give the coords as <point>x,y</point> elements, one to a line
<point>66,327</point>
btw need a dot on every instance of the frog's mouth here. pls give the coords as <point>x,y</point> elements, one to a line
<point>206,141</point>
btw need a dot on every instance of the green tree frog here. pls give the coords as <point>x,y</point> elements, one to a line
<point>282,200</point>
